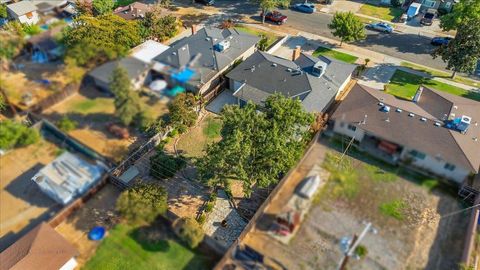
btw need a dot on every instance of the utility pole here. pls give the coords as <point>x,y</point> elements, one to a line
<point>355,242</point>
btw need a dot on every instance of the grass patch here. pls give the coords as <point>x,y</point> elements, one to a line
<point>384,13</point>
<point>379,175</point>
<point>257,32</point>
<point>335,54</point>
<point>343,179</point>
<point>122,3</point>
<point>212,128</point>
<point>405,84</point>
<point>393,209</point>
<point>441,74</point>
<point>96,105</point>
<point>121,251</point>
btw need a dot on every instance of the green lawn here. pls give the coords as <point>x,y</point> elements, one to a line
<point>404,85</point>
<point>393,209</point>
<point>441,74</point>
<point>193,143</point>
<point>384,13</point>
<point>335,54</point>
<point>212,128</point>
<point>94,105</point>
<point>119,250</point>
<point>257,32</point>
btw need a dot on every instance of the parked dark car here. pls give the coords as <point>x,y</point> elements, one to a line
<point>275,17</point>
<point>439,41</point>
<point>428,17</point>
<point>206,2</point>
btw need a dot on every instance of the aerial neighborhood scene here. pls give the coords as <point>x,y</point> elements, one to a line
<point>239,134</point>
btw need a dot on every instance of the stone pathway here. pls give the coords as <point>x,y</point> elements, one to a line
<point>223,210</point>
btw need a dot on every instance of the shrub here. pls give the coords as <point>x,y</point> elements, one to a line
<point>14,134</point>
<point>394,209</point>
<point>142,203</point>
<point>165,166</point>
<point>189,231</point>
<point>201,219</point>
<point>31,29</point>
<point>173,133</point>
<point>209,207</point>
<point>361,251</point>
<point>212,197</point>
<point>66,124</point>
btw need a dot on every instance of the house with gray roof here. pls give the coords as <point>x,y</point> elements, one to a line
<point>138,72</point>
<point>24,11</point>
<point>436,131</point>
<point>316,81</point>
<point>197,62</point>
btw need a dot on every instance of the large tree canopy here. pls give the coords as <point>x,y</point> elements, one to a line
<point>103,6</point>
<point>257,147</point>
<point>182,111</point>
<point>142,203</point>
<point>465,12</point>
<point>97,39</point>
<point>127,101</point>
<point>347,27</point>
<point>157,27</point>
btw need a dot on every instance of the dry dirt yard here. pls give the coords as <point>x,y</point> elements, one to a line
<point>93,110</point>
<point>98,211</point>
<point>26,78</point>
<point>22,203</point>
<point>411,234</point>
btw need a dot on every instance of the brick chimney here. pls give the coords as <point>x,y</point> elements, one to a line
<point>194,29</point>
<point>296,53</point>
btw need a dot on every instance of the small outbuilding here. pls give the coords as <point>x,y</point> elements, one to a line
<point>68,177</point>
<point>24,11</point>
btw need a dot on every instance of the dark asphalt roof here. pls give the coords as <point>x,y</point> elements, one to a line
<point>133,66</point>
<point>436,141</point>
<point>263,72</point>
<point>200,46</point>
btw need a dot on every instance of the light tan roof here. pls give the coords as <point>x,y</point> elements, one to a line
<point>41,249</point>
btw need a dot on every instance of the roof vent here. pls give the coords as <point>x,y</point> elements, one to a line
<point>475,139</point>
<point>398,110</point>
<point>455,107</point>
<point>174,53</point>
<point>387,120</point>
<point>207,39</point>
<point>381,104</point>
<point>437,124</point>
<point>230,37</point>
<point>289,69</point>
<point>252,69</point>
<point>411,114</point>
<point>274,64</point>
<point>423,119</point>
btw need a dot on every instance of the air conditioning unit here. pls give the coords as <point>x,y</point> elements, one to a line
<point>223,45</point>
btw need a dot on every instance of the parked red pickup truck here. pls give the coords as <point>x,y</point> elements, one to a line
<point>275,17</point>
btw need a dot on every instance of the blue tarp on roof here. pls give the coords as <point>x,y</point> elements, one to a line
<point>183,75</point>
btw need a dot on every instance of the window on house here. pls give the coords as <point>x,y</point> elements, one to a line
<point>449,167</point>
<point>447,4</point>
<point>342,125</point>
<point>351,127</point>
<point>429,3</point>
<point>417,154</point>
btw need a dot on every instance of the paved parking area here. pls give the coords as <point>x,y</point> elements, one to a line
<point>225,98</point>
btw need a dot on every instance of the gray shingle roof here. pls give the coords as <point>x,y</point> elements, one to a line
<point>201,48</point>
<point>22,7</point>
<point>271,74</point>
<point>447,144</point>
<point>133,66</point>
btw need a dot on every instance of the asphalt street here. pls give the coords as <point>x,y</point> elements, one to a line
<point>410,47</point>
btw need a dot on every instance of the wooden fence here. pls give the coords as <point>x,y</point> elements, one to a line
<point>53,99</point>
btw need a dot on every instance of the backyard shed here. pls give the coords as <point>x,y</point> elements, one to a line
<point>68,177</point>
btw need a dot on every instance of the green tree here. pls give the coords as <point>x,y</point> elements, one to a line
<point>101,7</point>
<point>347,27</point>
<point>14,134</point>
<point>3,11</point>
<point>98,39</point>
<point>84,7</point>
<point>263,43</point>
<point>157,27</point>
<point>142,203</point>
<point>182,111</point>
<point>127,101</point>
<point>266,6</point>
<point>164,166</point>
<point>190,231</point>
<point>66,124</point>
<point>257,148</point>
<point>464,12</point>
<point>462,53</point>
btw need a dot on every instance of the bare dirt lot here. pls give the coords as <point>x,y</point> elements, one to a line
<point>406,213</point>
<point>38,80</point>
<point>93,110</point>
<point>22,203</point>
<point>98,211</point>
